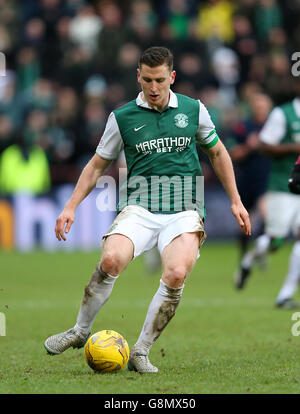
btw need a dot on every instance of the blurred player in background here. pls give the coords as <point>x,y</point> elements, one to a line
<point>294,180</point>
<point>252,168</point>
<point>158,132</point>
<point>280,139</point>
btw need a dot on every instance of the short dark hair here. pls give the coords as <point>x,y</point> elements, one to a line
<point>156,56</point>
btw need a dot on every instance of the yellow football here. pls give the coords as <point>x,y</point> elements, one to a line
<point>106,351</point>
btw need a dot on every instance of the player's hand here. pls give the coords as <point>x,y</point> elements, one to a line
<point>242,217</point>
<point>294,180</point>
<point>64,223</point>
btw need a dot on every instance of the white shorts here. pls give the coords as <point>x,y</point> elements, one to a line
<point>146,229</point>
<point>282,214</point>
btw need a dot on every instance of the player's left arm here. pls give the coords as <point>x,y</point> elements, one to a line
<point>210,143</point>
<point>222,165</point>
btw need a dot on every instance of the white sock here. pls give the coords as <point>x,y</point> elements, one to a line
<point>292,278</point>
<point>96,293</point>
<point>261,247</point>
<point>161,310</point>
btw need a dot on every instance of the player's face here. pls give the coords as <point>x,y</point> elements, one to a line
<point>155,83</point>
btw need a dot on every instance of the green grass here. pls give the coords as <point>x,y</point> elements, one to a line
<point>220,341</point>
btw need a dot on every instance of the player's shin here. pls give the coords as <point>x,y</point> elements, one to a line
<point>96,293</point>
<point>161,310</point>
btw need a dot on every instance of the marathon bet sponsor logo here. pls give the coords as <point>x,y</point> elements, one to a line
<point>181,120</point>
<point>166,144</point>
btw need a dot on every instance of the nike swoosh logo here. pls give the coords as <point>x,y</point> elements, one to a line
<point>137,129</point>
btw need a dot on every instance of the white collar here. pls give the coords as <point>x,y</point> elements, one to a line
<point>173,101</point>
<point>296,103</point>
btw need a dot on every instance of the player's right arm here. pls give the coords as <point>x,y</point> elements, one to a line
<point>86,182</point>
<point>109,147</point>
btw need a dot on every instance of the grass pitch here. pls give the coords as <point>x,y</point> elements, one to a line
<point>220,341</point>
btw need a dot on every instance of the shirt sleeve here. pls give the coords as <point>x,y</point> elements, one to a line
<point>274,129</point>
<point>206,135</point>
<point>111,143</point>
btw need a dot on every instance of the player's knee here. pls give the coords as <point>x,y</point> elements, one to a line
<point>111,264</point>
<point>175,276</point>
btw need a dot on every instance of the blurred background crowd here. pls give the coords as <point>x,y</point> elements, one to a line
<point>70,62</point>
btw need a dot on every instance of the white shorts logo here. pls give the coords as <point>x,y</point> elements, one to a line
<point>181,120</point>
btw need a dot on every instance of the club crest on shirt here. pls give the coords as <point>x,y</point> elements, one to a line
<point>181,120</point>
